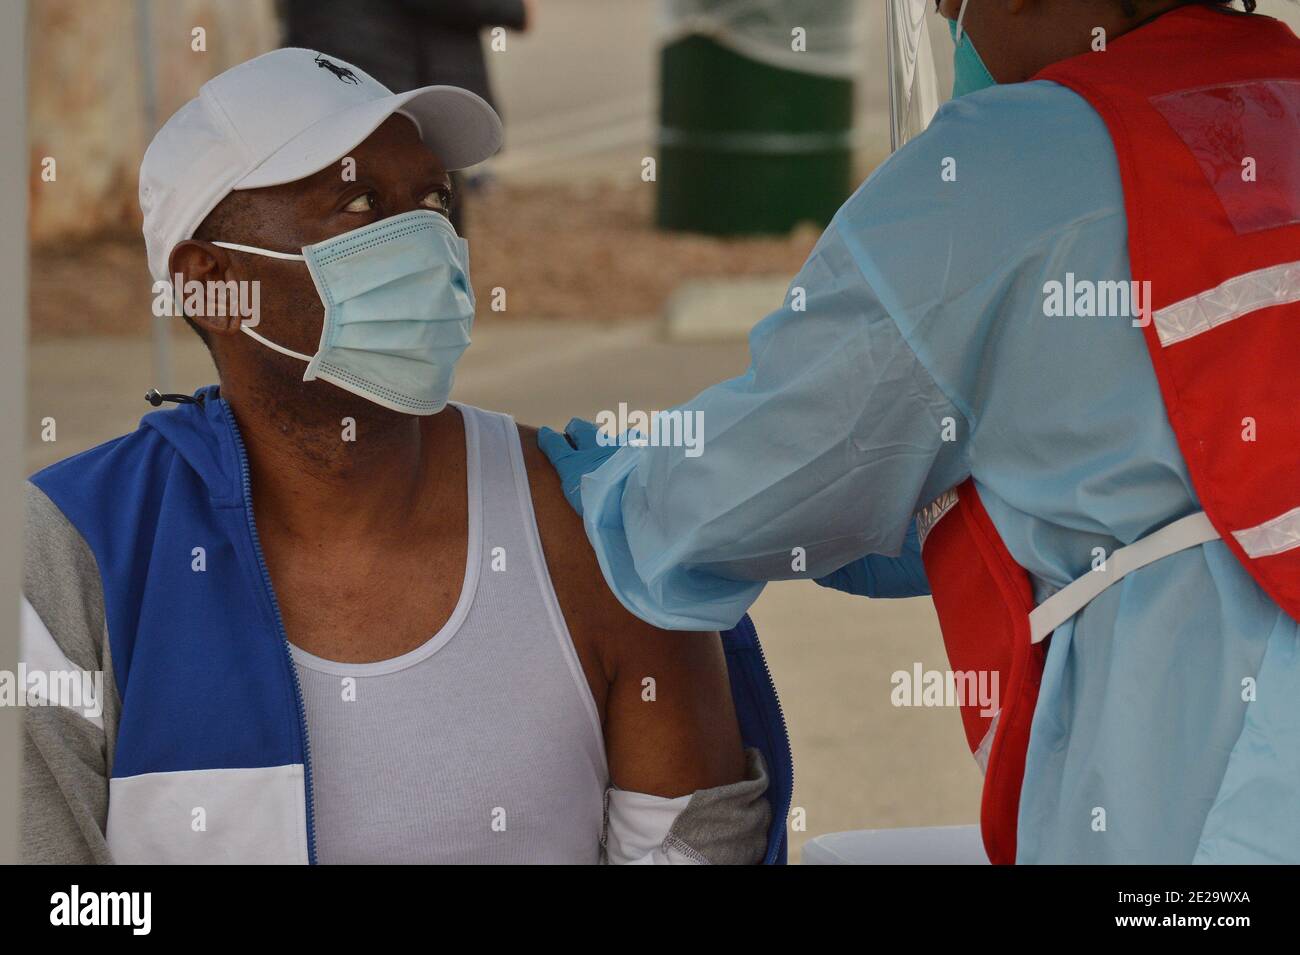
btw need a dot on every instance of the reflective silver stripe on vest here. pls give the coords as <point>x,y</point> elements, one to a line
<point>1275,536</point>
<point>929,515</point>
<point>1238,296</point>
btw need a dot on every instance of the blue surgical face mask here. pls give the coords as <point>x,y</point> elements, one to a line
<point>969,72</point>
<point>398,310</point>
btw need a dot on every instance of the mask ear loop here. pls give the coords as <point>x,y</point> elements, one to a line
<point>961,16</point>
<point>266,252</point>
<point>246,329</point>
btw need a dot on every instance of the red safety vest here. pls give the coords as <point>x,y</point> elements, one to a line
<point>1203,108</point>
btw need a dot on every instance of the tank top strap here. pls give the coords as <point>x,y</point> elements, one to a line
<point>513,565</point>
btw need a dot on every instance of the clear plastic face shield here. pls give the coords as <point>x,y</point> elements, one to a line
<point>913,82</point>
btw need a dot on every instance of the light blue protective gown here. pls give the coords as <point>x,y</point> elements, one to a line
<point>925,309</point>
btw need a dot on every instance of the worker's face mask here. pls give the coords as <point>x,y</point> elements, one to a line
<point>398,310</point>
<point>969,72</point>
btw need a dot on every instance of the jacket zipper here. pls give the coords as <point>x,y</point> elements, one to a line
<point>279,627</point>
<point>789,750</point>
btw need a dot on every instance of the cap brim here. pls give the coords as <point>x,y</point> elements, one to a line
<point>459,126</point>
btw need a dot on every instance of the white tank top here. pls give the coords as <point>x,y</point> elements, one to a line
<point>483,745</point>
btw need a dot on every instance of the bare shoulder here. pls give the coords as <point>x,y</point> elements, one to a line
<point>560,526</point>
<point>590,609</point>
<point>689,739</point>
<point>594,614</point>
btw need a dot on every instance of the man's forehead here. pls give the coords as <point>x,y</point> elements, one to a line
<point>396,141</point>
<point>394,151</point>
<point>399,125</point>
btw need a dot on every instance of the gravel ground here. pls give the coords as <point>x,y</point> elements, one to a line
<point>587,251</point>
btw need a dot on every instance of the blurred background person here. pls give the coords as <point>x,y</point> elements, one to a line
<point>407,44</point>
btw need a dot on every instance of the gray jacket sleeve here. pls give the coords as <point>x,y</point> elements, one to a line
<point>67,752</point>
<point>725,825</point>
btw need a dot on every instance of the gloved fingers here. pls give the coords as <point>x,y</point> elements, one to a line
<point>582,433</point>
<point>554,445</point>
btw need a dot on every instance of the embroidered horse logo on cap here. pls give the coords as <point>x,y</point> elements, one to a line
<point>342,72</point>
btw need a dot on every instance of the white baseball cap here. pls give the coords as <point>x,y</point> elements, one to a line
<point>281,117</point>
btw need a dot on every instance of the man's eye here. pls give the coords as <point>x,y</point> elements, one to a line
<point>362,203</point>
<point>439,200</point>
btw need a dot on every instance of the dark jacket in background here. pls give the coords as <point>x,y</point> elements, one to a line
<point>405,43</point>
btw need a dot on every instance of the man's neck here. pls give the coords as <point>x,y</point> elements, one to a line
<point>343,468</point>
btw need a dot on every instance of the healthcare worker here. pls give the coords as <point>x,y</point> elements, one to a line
<point>1053,341</point>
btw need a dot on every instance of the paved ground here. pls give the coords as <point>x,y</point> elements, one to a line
<point>860,762</point>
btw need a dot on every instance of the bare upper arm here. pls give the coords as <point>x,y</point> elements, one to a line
<point>663,696</point>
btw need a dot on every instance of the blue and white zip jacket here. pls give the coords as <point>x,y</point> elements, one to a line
<point>143,565</point>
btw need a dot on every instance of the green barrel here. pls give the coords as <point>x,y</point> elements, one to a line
<point>746,147</point>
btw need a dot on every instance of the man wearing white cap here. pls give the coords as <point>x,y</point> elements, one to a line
<point>334,617</point>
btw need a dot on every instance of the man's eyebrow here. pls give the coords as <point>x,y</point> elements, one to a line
<point>341,185</point>
<point>333,179</point>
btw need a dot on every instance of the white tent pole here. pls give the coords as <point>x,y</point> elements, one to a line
<point>13,392</point>
<point>160,329</point>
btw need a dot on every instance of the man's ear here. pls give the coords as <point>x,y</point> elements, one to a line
<point>197,261</point>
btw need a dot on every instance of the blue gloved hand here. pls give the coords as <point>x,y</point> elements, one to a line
<point>574,454</point>
<point>877,576</point>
